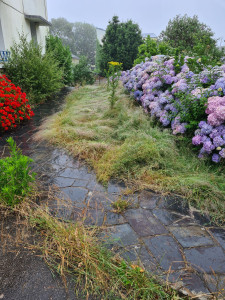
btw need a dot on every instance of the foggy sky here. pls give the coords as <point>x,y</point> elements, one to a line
<point>151,15</point>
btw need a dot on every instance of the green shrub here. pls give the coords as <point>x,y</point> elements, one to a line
<point>15,177</point>
<point>62,55</point>
<point>151,47</point>
<point>191,111</point>
<point>82,73</point>
<point>38,75</point>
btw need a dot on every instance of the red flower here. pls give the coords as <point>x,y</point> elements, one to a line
<point>13,105</point>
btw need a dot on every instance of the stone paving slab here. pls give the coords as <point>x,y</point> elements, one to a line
<point>120,235</point>
<point>192,236</point>
<point>166,251</point>
<point>144,223</point>
<point>188,280</point>
<point>207,259</point>
<point>165,216</point>
<point>219,235</point>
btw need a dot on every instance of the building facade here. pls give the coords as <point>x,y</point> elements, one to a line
<point>100,34</point>
<point>22,16</point>
<point>152,36</point>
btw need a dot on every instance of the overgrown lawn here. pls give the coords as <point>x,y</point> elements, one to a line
<point>124,143</point>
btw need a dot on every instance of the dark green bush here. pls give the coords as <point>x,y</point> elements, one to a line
<point>82,74</point>
<point>62,55</point>
<point>15,177</point>
<point>37,74</point>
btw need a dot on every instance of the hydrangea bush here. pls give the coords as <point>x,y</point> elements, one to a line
<point>14,107</point>
<point>183,100</point>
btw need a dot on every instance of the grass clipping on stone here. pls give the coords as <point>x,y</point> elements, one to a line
<point>124,143</point>
<point>75,252</point>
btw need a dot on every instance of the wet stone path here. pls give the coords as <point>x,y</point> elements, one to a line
<point>160,233</point>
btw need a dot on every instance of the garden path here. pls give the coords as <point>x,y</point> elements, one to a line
<point>160,233</point>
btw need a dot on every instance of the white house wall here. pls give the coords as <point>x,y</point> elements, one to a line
<point>35,7</point>
<point>13,22</point>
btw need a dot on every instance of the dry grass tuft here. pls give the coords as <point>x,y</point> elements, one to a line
<point>74,250</point>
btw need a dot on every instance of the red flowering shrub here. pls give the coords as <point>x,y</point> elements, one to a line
<point>14,107</point>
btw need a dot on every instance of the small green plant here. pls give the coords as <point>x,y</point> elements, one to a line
<point>15,177</point>
<point>120,205</point>
<point>82,73</point>
<point>113,77</point>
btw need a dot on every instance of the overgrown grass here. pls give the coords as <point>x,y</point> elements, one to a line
<point>124,143</point>
<point>74,251</point>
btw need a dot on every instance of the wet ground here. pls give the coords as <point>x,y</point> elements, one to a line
<point>161,233</point>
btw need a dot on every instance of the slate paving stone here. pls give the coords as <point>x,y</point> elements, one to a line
<point>77,195</point>
<point>188,280</point>
<point>185,221</point>
<point>193,283</point>
<point>219,235</point>
<point>165,216</point>
<point>114,219</point>
<point>129,254</point>
<point>115,188</point>
<point>206,259</point>
<point>95,217</point>
<point>148,200</point>
<point>95,186</point>
<point>76,174</point>
<point>138,255</point>
<point>143,222</point>
<point>60,158</point>
<point>147,260</point>
<point>99,199</point>
<point>201,218</point>
<point>80,183</point>
<point>63,182</point>
<point>216,284</point>
<point>166,251</point>
<point>120,235</point>
<point>192,236</point>
<point>175,203</point>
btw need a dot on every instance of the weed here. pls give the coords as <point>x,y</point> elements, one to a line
<point>120,205</point>
<point>15,176</point>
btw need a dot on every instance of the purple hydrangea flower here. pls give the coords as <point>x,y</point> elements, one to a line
<point>216,158</point>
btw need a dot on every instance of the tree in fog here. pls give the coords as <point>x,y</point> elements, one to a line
<point>80,37</point>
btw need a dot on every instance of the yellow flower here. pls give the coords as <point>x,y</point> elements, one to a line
<point>199,60</point>
<point>218,148</point>
<point>114,63</point>
<point>220,89</point>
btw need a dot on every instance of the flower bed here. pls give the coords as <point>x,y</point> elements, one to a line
<point>14,107</point>
<point>184,100</point>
